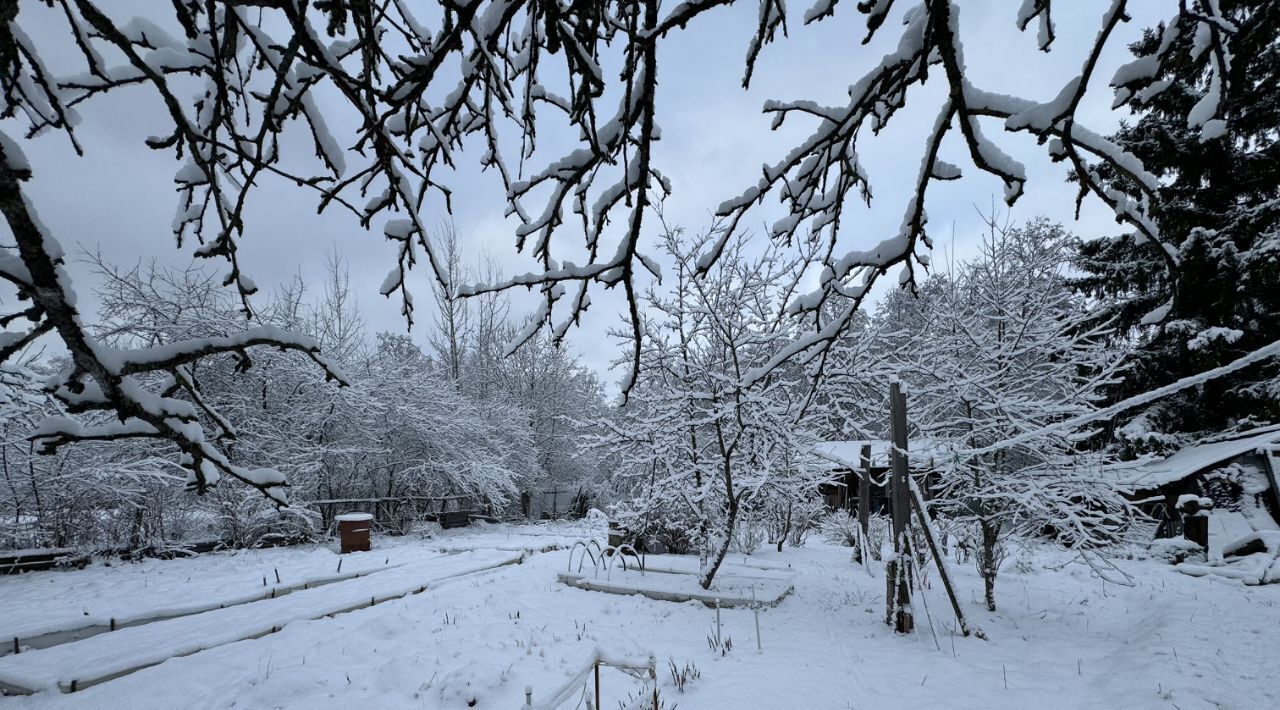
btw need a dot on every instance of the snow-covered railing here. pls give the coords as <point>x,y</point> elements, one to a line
<point>644,671</point>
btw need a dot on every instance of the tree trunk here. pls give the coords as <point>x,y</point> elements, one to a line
<point>718,555</point>
<point>990,565</point>
<point>722,551</point>
<point>786,527</point>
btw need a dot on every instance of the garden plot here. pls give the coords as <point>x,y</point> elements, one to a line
<point>675,579</point>
<point>70,604</point>
<point>68,628</point>
<point>726,591</point>
<point>72,666</point>
<point>1062,639</point>
<point>545,537</point>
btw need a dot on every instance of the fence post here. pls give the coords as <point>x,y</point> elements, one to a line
<point>528,696</point>
<point>898,593</point>
<point>864,493</point>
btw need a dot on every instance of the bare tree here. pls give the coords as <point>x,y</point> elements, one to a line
<point>1002,347</point>
<point>698,446</point>
<point>419,87</point>
<point>452,318</point>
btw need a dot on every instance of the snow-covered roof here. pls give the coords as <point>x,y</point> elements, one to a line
<point>1196,458</point>
<point>848,454</point>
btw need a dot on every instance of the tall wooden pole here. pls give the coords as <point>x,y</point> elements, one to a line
<point>864,494</point>
<point>898,593</point>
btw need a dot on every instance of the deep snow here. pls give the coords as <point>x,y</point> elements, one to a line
<point>1062,639</point>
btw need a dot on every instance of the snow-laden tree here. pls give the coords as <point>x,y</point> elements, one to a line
<point>236,77</point>
<point>472,342</point>
<point>1221,208</point>
<point>402,427</point>
<point>697,445</point>
<point>998,349</point>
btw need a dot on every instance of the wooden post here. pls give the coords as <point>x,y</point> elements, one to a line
<point>897,592</point>
<point>1195,521</point>
<point>864,493</point>
<point>917,500</point>
<point>598,705</point>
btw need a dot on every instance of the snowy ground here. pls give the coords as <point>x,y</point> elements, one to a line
<point>1062,639</point>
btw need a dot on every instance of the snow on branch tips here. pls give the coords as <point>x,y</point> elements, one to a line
<point>481,78</point>
<point>140,387</point>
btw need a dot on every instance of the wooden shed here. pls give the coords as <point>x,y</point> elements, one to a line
<point>840,491</point>
<point>1238,471</point>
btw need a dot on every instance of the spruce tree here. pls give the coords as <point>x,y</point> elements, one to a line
<point>1220,200</point>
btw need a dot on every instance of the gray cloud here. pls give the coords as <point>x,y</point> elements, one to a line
<point>118,198</point>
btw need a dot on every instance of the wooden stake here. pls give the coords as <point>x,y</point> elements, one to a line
<point>917,501</point>
<point>898,592</point>
<point>864,504</point>
<point>718,636</point>
<point>755,607</point>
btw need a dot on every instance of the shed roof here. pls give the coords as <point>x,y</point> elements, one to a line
<point>1196,458</point>
<point>848,454</point>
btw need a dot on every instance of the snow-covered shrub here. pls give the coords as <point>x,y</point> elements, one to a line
<point>840,528</point>
<point>792,519</point>
<point>801,529</point>
<point>878,533</point>
<point>748,535</point>
<point>246,519</point>
<point>1024,562</point>
<point>654,529</point>
<point>800,517</point>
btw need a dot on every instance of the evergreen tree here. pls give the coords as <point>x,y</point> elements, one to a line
<point>1220,194</point>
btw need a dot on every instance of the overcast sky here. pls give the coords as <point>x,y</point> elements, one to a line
<point>120,199</point>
